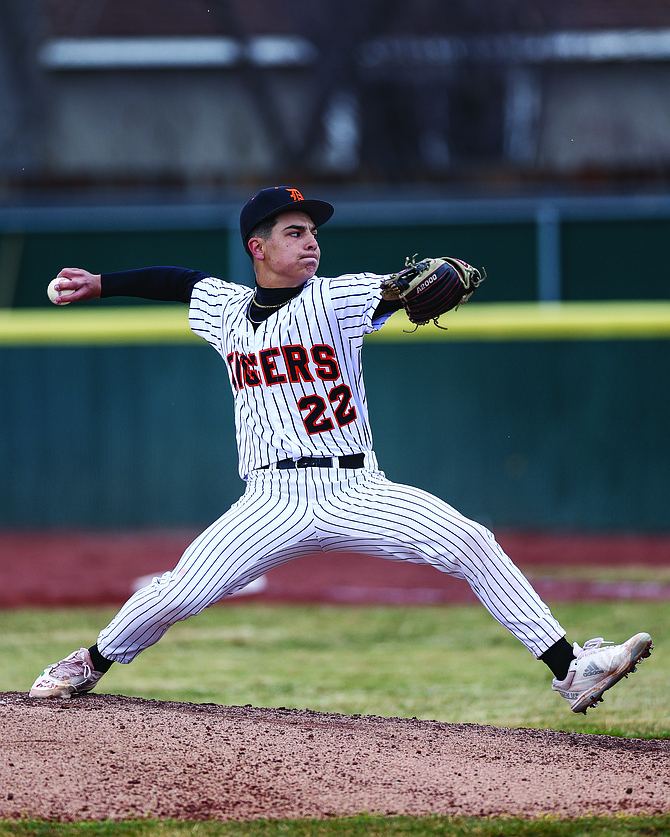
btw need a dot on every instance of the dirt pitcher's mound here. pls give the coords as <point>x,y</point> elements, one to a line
<point>106,756</point>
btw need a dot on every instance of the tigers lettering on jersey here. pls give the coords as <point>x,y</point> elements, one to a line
<point>282,364</point>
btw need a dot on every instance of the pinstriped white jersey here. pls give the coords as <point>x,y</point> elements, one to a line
<point>297,380</point>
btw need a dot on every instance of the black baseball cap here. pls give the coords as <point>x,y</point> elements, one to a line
<point>278,199</point>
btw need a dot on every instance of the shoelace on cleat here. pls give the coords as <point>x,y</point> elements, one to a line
<point>70,668</point>
<point>592,645</point>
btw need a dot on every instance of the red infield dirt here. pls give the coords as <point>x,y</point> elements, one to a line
<point>103,756</point>
<point>102,568</point>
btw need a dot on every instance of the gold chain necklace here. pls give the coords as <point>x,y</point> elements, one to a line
<point>257,304</point>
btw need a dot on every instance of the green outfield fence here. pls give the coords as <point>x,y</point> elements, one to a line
<point>544,405</point>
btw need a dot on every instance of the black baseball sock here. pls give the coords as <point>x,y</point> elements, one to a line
<point>99,662</point>
<point>558,658</point>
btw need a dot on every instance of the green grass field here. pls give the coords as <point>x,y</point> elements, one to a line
<point>356,827</point>
<point>451,664</point>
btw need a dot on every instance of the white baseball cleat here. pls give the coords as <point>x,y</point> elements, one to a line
<point>596,669</point>
<point>72,676</point>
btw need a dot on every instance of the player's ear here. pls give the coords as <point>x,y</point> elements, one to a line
<point>257,248</point>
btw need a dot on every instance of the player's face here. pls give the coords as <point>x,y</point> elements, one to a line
<point>291,255</point>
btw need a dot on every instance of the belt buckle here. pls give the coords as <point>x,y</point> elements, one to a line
<point>313,462</point>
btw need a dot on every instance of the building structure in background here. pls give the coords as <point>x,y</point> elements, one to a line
<point>201,94</point>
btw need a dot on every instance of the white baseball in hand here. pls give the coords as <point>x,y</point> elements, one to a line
<point>53,294</point>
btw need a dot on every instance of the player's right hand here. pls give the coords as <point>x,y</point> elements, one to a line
<point>85,285</point>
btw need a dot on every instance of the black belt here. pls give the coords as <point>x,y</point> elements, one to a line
<point>351,460</point>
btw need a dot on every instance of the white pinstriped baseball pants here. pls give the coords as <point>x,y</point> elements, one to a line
<point>288,514</point>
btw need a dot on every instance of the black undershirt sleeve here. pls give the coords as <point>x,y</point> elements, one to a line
<point>386,306</point>
<point>163,284</point>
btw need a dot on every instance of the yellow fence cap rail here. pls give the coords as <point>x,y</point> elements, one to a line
<point>89,324</point>
<point>541,321</point>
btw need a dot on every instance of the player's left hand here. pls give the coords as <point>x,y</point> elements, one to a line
<point>431,287</point>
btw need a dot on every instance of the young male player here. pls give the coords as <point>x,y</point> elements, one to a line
<point>292,349</point>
